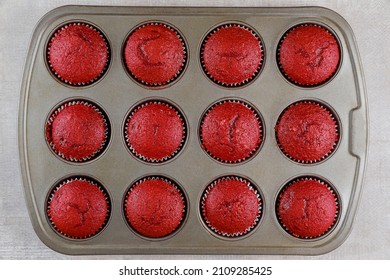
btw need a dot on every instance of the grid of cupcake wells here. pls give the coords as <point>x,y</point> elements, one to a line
<point>193,94</point>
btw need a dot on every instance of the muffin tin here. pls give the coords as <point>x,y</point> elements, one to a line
<point>116,168</point>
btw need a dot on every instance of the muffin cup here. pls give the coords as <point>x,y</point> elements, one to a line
<point>246,81</point>
<point>329,187</point>
<point>261,127</point>
<point>58,76</point>
<point>182,67</point>
<point>155,160</point>
<point>337,127</point>
<point>288,78</point>
<point>51,118</point>
<point>237,235</point>
<point>173,184</point>
<point>69,180</point>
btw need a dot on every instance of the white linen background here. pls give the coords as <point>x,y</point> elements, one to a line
<point>370,21</point>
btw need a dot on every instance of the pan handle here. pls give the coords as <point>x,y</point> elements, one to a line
<point>359,129</point>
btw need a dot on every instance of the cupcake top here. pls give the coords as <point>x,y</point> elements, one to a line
<point>77,131</point>
<point>307,208</point>
<point>231,206</point>
<point>155,207</point>
<point>308,55</point>
<point>232,55</point>
<point>78,208</point>
<point>231,131</point>
<point>78,54</point>
<point>155,131</point>
<point>155,54</point>
<point>307,132</point>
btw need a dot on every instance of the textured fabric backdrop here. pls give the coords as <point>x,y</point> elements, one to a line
<point>370,21</point>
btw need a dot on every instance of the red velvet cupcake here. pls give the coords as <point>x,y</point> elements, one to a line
<point>78,54</point>
<point>308,55</point>
<point>307,132</point>
<point>155,54</point>
<point>77,131</point>
<point>231,131</point>
<point>78,208</point>
<point>307,207</point>
<point>232,55</point>
<point>231,206</point>
<point>155,207</point>
<point>155,131</point>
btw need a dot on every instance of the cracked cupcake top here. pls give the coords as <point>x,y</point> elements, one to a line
<point>155,131</point>
<point>77,131</point>
<point>231,206</point>
<point>231,131</point>
<point>307,208</point>
<point>307,132</point>
<point>154,207</point>
<point>232,54</point>
<point>155,54</point>
<point>78,54</point>
<point>308,55</point>
<point>78,208</point>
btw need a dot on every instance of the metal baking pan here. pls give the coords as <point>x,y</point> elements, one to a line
<point>116,92</point>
